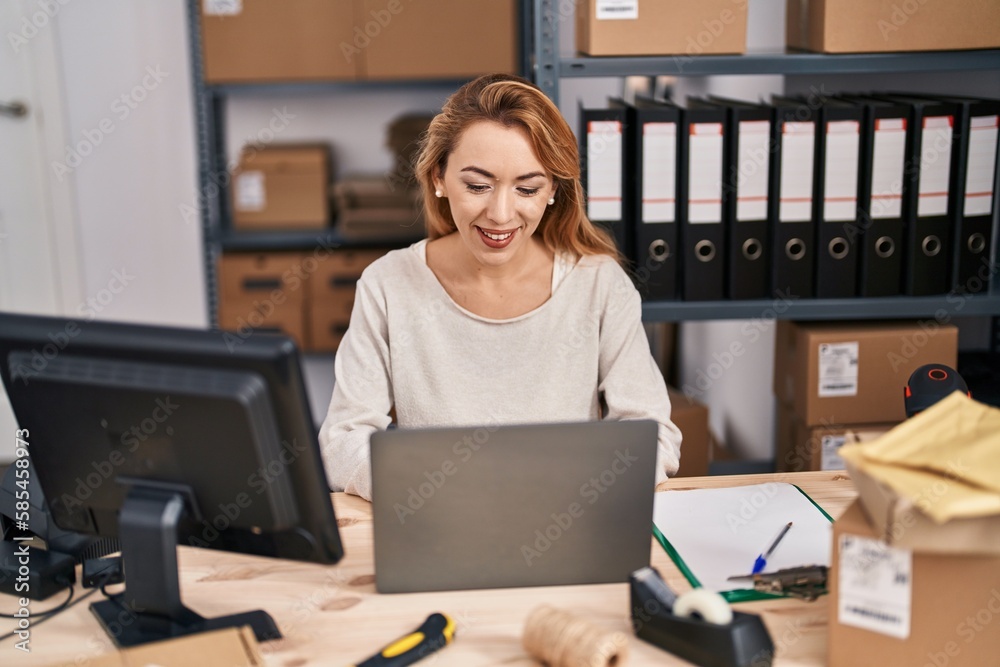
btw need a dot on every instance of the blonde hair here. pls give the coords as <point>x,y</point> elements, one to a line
<point>514,102</point>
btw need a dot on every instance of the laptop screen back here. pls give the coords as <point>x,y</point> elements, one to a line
<point>532,505</point>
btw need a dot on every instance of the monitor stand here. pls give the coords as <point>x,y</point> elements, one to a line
<point>150,608</point>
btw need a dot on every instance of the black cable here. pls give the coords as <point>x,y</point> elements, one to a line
<point>51,613</point>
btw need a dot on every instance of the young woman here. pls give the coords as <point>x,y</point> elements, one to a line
<point>514,310</point>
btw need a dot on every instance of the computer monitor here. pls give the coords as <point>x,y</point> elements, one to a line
<point>164,437</point>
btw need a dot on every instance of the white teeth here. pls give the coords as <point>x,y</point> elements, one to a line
<point>497,237</point>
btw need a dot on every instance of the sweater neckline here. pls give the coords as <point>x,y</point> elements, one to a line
<point>562,265</point>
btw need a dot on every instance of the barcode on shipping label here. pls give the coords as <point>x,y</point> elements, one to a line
<point>838,369</point>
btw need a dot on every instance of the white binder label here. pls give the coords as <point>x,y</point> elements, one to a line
<point>705,173</point>
<point>982,165</point>
<point>753,166</point>
<point>874,586</point>
<point>604,170</point>
<point>830,452</point>
<point>617,9</point>
<point>840,181</point>
<point>222,7</point>
<point>250,192</point>
<point>838,369</point>
<point>887,168</point>
<point>659,172</point>
<point>798,146</point>
<point>935,166</point>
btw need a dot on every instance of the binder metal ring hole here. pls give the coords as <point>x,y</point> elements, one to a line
<point>839,248</point>
<point>795,249</point>
<point>931,245</point>
<point>977,243</point>
<point>704,250</point>
<point>752,249</point>
<point>884,247</point>
<point>659,250</point>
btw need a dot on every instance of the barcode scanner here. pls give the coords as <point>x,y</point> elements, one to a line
<point>929,384</point>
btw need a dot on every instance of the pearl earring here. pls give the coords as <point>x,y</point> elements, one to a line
<point>552,200</point>
<point>438,193</point>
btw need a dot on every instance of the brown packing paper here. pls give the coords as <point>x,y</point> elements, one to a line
<point>952,447</point>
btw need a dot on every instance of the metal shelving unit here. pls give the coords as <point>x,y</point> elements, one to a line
<point>549,67</point>
<point>214,179</point>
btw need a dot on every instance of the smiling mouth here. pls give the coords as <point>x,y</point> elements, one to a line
<point>497,236</point>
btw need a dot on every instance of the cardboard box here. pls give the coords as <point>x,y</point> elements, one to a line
<point>275,276</point>
<point>664,27</point>
<point>855,373</point>
<point>801,447</point>
<point>282,187</point>
<point>234,647</point>
<point>370,207</point>
<point>691,417</point>
<point>946,611</point>
<point>263,40</point>
<point>862,26</point>
<point>248,316</point>
<point>899,522</point>
<point>436,40</point>
<point>331,297</point>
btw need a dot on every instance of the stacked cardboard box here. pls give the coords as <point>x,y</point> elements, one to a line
<point>331,296</point>
<point>304,295</point>
<point>864,26</point>
<point>341,40</point>
<point>843,382</point>
<point>892,605</point>
<point>691,417</point>
<point>282,187</point>
<point>262,293</point>
<point>665,27</point>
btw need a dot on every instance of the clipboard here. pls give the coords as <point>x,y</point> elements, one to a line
<point>727,528</point>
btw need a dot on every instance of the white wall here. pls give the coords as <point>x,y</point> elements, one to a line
<point>128,104</point>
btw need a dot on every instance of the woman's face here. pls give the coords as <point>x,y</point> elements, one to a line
<point>497,190</point>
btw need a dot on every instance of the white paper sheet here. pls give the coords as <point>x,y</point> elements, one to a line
<point>720,532</point>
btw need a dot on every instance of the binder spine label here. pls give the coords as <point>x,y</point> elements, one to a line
<point>838,369</point>
<point>752,170</point>
<point>888,162</point>
<point>659,172</point>
<point>981,174</point>
<point>604,170</point>
<point>798,146</point>
<point>935,165</point>
<point>840,191</point>
<point>705,173</point>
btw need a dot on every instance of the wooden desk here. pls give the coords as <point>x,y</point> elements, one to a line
<point>331,615</point>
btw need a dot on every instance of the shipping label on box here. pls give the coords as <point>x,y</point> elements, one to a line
<point>617,9</point>
<point>875,584</point>
<point>838,369</point>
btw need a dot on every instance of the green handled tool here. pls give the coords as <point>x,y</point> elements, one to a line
<point>436,632</point>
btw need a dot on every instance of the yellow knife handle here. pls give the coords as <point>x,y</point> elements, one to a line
<point>436,632</point>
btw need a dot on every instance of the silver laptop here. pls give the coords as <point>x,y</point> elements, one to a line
<point>491,507</point>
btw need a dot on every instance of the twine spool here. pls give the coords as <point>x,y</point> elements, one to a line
<point>560,639</point>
